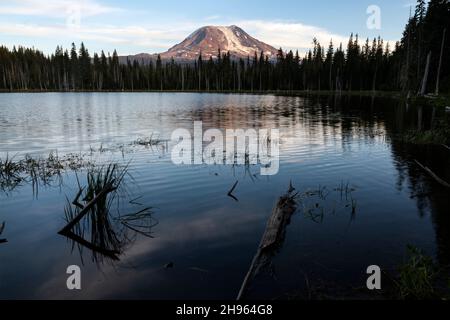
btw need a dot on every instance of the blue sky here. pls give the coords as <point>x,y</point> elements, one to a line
<point>153,26</point>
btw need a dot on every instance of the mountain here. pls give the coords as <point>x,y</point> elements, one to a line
<point>207,41</point>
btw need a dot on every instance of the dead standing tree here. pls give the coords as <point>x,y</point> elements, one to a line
<point>423,88</point>
<point>440,63</point>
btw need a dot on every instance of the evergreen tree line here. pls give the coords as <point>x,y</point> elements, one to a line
<point>419,63</point>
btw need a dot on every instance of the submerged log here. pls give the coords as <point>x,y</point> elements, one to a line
<point>433,175</point>
<point>272,238</point>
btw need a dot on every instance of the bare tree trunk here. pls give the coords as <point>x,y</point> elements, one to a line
<point>419,119</point>
<point>374,80</point>
<point>423,89</point>
<point>440,63</point>
<point>330,77</point>
<point>407,84</point>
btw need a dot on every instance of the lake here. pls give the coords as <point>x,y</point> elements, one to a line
<point>364,198</point>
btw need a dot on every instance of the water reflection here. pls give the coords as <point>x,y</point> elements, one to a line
<point>325,141</point>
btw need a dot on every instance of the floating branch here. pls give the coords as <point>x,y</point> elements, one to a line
<point>112,254</point>
<point>108,189</point>
<point>446,146</point>
<point>2,228</point>
<point>291,187</point>
<point>433,175</point>
<point>272,239</point>
<point>230,193</point>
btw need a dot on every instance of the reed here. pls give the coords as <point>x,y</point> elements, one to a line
<point>94,220</point>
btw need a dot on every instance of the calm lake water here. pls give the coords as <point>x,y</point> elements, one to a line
<point>204,241</point>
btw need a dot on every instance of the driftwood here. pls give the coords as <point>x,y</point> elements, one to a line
<point>272,239</point>
<point>433,175</point>
<point>230,193</point>
<point>108,189</point>
<point>2,227</point>
<point>112,254</point>
<point>446,146</point>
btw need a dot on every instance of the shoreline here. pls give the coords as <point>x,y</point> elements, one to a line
<point>436,101</point>
<point>396,94</point>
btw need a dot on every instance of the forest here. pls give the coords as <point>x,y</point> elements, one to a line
<point>418,64</point>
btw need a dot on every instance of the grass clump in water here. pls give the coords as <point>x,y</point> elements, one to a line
<point>38,170</point>
<point>94,220</point>
<point>417,277</point>
<point>438,134</point>
<point>10,174</point>
<point>148,142</point>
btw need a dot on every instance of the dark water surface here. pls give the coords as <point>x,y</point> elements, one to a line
<point>210,238</point>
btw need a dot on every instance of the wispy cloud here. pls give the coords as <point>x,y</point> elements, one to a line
<point>132,35</point>
<point>54,8</point>
<point>290,35</point>
<point>211,18</point>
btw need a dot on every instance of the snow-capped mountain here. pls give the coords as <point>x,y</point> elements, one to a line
<point>208,40</point>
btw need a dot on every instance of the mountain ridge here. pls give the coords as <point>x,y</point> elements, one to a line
<point>207,41</point>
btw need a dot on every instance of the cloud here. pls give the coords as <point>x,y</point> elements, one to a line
<point>156,38</point>
<point>54,8</point>
<point>210,18</point>
<point>290,35</point>
<point>132,35</point>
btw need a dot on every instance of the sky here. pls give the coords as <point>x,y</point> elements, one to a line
<point>148,26</point>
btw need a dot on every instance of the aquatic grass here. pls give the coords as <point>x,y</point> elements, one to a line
<point>315,203</point>
<point>149,141</point>
<point>141,222</point>
<point>417,277</point>
<point>345,190</point>
<point>10,174</point>
<point>426,137</point>
<point>90,214</point>
<point>101,190</point>
<point>38,170</point>
<point>439,134</point>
